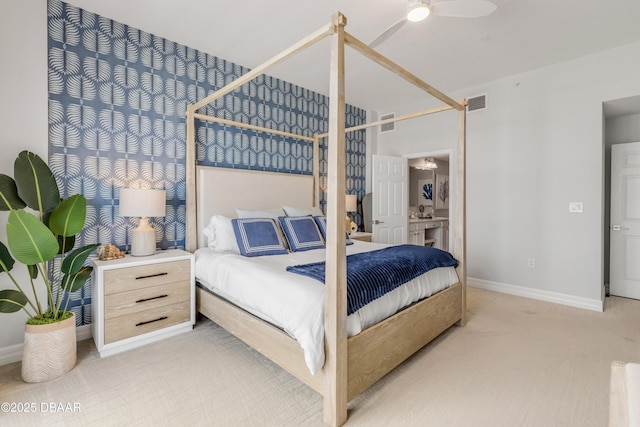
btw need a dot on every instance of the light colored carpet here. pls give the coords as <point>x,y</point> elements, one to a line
<point>518,362</point>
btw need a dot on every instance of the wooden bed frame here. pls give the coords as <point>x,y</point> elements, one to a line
<point>353,364</point>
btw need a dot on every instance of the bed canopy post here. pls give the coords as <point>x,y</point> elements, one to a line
<point>191,236</point>
<point>316,170</point>
<point>460,246</point>
<point>335,398</point>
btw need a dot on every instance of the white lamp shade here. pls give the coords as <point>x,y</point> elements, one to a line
<point>142,202</point>
<point>351,203</point>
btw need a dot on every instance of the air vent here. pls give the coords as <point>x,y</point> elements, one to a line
<point>387,127</point>
<point>477,103</point>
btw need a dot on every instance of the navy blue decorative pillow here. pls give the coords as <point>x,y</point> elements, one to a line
<point>322,225</point>
<point>301,232</point>
<point>258,236</point>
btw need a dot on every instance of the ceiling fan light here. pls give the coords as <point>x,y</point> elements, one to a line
<point>418,10</point>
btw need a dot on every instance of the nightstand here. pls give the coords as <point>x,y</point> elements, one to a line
<point>361,235</point>
<point>138,300</point>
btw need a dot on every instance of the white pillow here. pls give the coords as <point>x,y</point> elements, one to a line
<point>220,235</point>
<point>260,213</point>
<point>292,211</point>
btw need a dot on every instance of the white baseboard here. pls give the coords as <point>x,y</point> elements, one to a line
<point>13,353</point>
<point>10,354</point>
<point>555,297</point>
<point>83,332</point>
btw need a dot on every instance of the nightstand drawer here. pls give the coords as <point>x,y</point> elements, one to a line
<point>134,324</point>
<point>137,300</point>
<point>130,278</point>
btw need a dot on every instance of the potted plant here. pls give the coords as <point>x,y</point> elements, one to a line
<point>43,239</point>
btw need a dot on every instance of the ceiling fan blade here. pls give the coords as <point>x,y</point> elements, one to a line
<point>388,32</point>
<point>463,8</point>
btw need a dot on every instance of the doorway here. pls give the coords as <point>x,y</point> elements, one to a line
<point>621,119</point>
<point>442,179</point>
<point>395,194</point>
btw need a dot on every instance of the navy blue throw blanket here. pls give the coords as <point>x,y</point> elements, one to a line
<point>370,275</point>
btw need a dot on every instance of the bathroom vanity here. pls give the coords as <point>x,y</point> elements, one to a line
<point>429,232</point>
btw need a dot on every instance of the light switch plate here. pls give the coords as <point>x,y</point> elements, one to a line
<point>575,207</point>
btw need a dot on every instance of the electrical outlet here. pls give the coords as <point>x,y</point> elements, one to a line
<point>531,263</point>
<point>575,207</point>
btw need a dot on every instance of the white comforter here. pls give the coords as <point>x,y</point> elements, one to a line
<point>262,286</point>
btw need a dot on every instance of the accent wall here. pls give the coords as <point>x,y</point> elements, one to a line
<point>117,102</point>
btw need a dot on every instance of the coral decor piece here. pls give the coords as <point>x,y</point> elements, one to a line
<point>109,252</point>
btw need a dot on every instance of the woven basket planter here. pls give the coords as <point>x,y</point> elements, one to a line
<point>49,350</point>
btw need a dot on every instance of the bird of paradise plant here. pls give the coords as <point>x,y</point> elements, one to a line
<point>42,239</point>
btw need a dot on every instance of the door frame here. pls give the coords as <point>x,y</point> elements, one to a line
<point>452,182</point>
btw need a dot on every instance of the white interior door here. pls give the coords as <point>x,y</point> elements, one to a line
<point>390,199</point>
<point>624,276</point>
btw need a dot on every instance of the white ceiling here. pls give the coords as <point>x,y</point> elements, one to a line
<point>448,53</point>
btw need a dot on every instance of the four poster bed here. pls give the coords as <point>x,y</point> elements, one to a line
<point>351,363</point>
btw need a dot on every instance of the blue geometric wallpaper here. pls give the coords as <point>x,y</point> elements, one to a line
<point>117,102</point>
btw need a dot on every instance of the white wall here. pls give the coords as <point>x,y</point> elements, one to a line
<point>537,147</point>
<point>23,116</point>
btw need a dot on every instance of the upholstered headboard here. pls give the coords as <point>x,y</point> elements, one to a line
<point>221,190</point>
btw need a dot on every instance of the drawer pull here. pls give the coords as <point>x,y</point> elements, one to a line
<point>151,275</point>
<point>151,321</point>
<point>152,298</point>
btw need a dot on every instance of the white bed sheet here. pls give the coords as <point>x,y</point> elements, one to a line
<point>295,303</point>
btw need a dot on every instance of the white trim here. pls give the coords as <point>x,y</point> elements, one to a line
<point>83,332</point>
<point>10,354</point>
<point>13,353</point>
<point>522,291</point>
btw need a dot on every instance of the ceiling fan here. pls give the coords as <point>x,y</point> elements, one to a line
<point>418,10</point>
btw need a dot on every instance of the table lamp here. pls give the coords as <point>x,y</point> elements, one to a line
<point>351,205</point>
<point>142,203</point>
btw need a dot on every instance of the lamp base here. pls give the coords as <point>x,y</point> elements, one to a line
<point>143,239</point>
